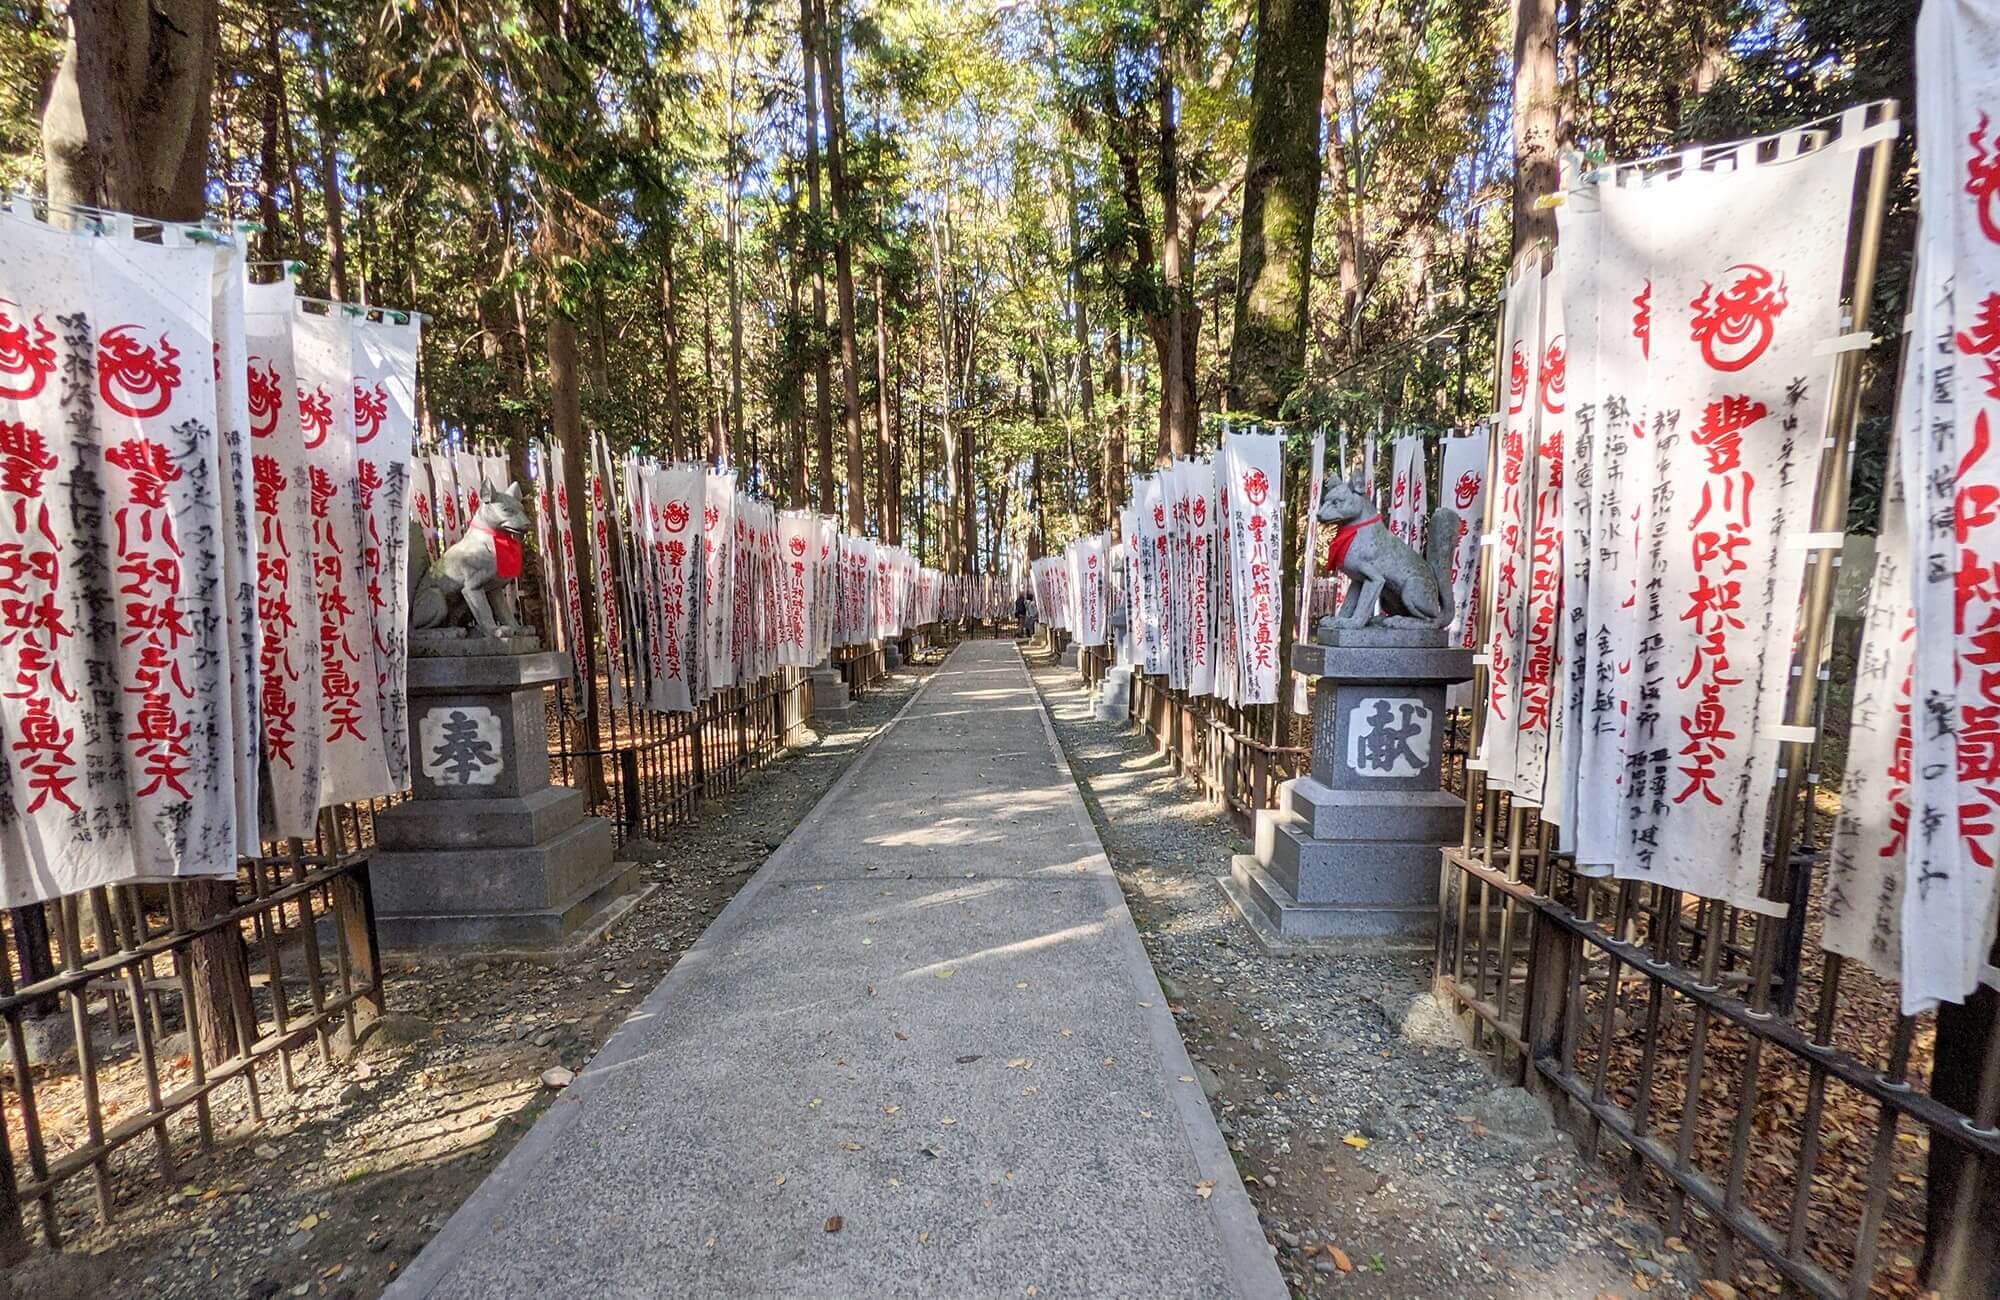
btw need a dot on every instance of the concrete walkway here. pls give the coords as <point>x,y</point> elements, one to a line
<point>921,1053</point>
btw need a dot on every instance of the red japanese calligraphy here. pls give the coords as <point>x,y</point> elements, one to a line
<point>26,359</point>
<point>1642,319</point>
<point>1466,490</point>
<point>1735,323</point>
<point>371,408</point>
<point>149,570</point>
<point>1720,529</point>
<point>1983,340</point>
<point>1554,374</point>
<point>267,398</point>
<point>135,378</point>
<point>1256,488</point>
<point>315,415</point>
<point>1982,179</point>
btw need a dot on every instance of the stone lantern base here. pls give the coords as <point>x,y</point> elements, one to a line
<point>1351,852</point>
<point>487,853</point>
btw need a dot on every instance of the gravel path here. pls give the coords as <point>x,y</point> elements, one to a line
<point>1382,1156</point>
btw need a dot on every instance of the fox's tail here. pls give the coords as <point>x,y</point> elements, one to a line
<point>1438,551</point>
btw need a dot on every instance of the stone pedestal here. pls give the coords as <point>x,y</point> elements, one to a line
<point>487,853</point>
<point>1114,695</point>
<point>831,697</point>
<point>1067,655</point>
<point>1351,852</point>
<point>892,655</point>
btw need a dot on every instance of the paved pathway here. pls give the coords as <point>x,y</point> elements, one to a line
<point>927,1015</point>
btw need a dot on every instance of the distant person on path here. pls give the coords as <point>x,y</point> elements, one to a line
<point>1027,608</point>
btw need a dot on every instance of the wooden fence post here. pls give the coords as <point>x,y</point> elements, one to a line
<point>1552,952</point>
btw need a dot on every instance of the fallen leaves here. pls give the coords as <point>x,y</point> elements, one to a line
<point>1356,1141</point>
<point>947,1121</point>
<point>833,1223</point>
<point>1020,1063</point>
<point>1340,1259</point>
<point>1205,1188</point>
<point>946,973</point>
<point>1717,1289</point>
<point>890,1110</point>
<point>968,1060</point>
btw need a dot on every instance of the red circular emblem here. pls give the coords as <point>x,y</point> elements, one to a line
<point>1466,490</point>
<point>675,516</point>
<point>371,408</point>
<point>135,378</point>
<point>26,359</point>
<point>798,546</point>
<point>267,398</point>
<point>1256,487</point>
<point>1734,322</point>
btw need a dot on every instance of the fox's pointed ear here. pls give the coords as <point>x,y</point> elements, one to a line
<point>513,487</point>
<point>1358,481</point>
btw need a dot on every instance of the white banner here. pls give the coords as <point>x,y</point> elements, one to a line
<point>1089,578</point>
<point>1198,494</point>
<point>384,392</point>
<point>1253,466</point>
<point>798,551</point>
<point>572,585</point>
<point>1150,632</point>
<point>354,760</point>
<point>286,603</point>
<point>1540,723</point>
<point>1512,527</point>
<point>718,525</point>
<point>1746,271</point>
<point>1302,630</point>
<point>1409,496</point>
<point>112,538</point>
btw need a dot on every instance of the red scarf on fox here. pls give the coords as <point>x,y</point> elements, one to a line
<point>1343,537</point>
<point>506,551</point>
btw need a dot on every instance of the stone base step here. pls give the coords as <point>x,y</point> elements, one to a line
<point>1281,922</point>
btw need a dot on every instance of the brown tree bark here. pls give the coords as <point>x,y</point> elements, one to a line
<point>1176,426</point>
<point>823,499</point>
<point>1536,169</point>
<point>1280,196</point>
<point>670,346</point>
<point>127,118</point>
<point>833,95</point>
<point>885,455</point>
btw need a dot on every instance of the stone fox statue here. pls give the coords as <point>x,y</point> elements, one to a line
<point>454,590</point>
<point>1414,590</point>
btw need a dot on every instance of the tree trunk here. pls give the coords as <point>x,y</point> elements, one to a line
<point>833,93</point>
<point>566,423</point>
<point>670,345</point>
<point>1536,172</point>
<point>127,119</point>
<point>821,355</point>
<point>126,127</point>
<point>1114,427</point>
<point>1176,434</point>
<point>885,487</point>
<point>1280,194</point>
<point>329,181</point>
<point>270,115</point>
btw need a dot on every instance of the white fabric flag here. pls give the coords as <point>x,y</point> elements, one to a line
<point>1198,493</point>
<point>1152,519</point>
<point>1463,479</point>
<point>243,661</point>
<point>1746,293</point>
<point>798,543</point>
<point>1091,581</point>
<point>826,586</point>
<point>1541,701</point>
<point>581,672</point>
<point>385,426</point>
<point>1302,630</point>
<point>718,579</point>
<point>1228,657</point>
<point>610,617</point>
<point>1954,828</point>
<point>1409,500</point>
<point>1254,466</point>
<point>1862,896</point>
<point>286,603</point>
<point>1512,526</point>
<point>355,760</point>
<point>117,754</point>
<point>1128,586</point>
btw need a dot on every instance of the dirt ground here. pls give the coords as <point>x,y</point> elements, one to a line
<point>1384,1159</point>
<point>350,1176</point>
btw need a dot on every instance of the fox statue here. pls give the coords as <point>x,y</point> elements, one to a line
<point>1413,590</point>
<point>476,573</point>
